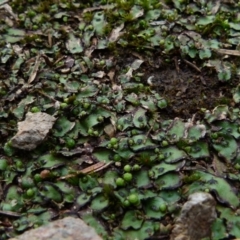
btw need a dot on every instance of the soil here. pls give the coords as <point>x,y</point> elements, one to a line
<point>187,87</point>
<point>188,91</point>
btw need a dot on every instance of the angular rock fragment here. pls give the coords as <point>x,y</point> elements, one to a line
<point>33,130</point>
<point>197,215</point>
<point>68,228</point>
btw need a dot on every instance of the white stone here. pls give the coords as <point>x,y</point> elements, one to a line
<point>33,130</point>
<point>196,218</point>
<point>68,228</point>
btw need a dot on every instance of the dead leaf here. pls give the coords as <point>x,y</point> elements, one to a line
<point>227,52</point>
<point>34,70</point>
<point>111,74</point>
<point>116,33</point>
<point>216,7</point>
<point>110,130</point>
<point>99,74</point>
<point>219,167</point>
<point>91,9</point>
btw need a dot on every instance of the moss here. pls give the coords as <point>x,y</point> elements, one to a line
<point>88,16</point>
<point>224,100</point>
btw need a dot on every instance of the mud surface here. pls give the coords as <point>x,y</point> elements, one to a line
<point>187,87</point>
<point>188,91</point>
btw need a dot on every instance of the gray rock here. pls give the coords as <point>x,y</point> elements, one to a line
<point>196,218</point>
<point>68,228</point>
<point>33,130</point>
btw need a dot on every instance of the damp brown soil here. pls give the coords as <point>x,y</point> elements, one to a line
<point>188,91</point>
<point>187,87</point>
